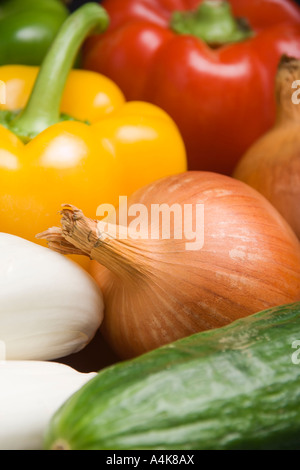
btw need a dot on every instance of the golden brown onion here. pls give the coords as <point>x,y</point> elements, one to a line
<point>157,291</point>
<point>272,164</point>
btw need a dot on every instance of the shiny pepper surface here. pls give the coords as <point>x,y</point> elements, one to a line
<point>77,140</point>
<point>209,64</point>
<point>28,28</point>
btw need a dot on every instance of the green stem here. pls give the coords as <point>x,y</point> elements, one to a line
<point>213,22</point>
<point>43,107</point>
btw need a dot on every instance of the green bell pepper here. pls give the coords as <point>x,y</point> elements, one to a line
<point>27,29</point>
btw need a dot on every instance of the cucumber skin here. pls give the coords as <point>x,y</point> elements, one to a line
<point>235,387</point>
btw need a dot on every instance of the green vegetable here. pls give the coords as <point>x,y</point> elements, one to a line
<point>28,28</point>
<point>237,387</point>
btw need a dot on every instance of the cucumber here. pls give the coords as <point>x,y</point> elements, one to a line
<point>236,387</point>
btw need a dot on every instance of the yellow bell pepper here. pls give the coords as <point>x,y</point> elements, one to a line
<point>106,149</point>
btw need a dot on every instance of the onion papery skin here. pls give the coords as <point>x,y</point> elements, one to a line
<point>272,167</point>
<point>272,164</point>
<point>250,261</point>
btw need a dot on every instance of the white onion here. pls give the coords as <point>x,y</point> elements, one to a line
<point>49,306</point>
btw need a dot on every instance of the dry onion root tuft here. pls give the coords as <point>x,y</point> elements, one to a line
<point>156,291</point>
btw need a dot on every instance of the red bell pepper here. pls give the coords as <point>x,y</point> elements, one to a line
<point>210,64</point>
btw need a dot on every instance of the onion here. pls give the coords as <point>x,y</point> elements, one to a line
<point>272,164</point>
<point>159,290</point>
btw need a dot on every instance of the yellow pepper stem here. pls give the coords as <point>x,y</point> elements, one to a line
<point>43,107</point>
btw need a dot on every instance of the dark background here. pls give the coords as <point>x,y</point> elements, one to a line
<point>76,3</point>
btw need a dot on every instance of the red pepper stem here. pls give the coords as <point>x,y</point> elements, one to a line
<point>43,107</point>
<point>213,22</point>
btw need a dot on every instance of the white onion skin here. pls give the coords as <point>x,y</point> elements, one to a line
<point>30,393</point>
<point>250,261</point>
<point>49,306</point>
